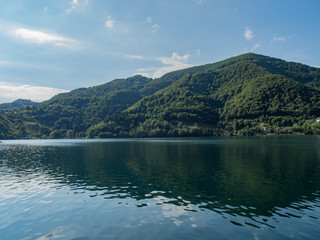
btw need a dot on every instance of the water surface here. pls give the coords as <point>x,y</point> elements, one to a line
<point>211,188</point>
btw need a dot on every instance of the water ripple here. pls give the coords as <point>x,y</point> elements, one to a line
<point>64,189</point>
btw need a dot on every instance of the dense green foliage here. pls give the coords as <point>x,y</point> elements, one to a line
<point>4,127</point>
<point>244,95</point>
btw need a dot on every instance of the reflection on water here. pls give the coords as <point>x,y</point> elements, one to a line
<point>257,188</point>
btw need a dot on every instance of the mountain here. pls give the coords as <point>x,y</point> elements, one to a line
<point>249,87</point>
<point>244,95</point>
<point>17,104</point>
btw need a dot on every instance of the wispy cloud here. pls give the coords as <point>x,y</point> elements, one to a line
<point>39,37</point>
<point>257,45</point>
<point>280,39</point>
<point>110,22</point>
<point>10,92</point>
<point>175,62</point>
<point>175,59</point>
<point>149,19</point>
<point>28,65</point>
<point>133,56</point>
<point>277,39</point>
<point>4,63</point>
<point>76,4</point>
<point>155,28</point>
<point>248,34</point>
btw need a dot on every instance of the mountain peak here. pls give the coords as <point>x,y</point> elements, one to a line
<point>17,104</point>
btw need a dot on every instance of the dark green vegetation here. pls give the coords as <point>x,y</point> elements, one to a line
<point>17,104</point>
<point>245,95</point>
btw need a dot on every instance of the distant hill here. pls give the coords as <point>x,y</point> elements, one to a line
<point>17,104</point>
<point>244,95</point>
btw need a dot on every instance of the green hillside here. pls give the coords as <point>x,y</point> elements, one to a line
<point>4,127</point>
<point>238,96</point>
<point>17,104</point>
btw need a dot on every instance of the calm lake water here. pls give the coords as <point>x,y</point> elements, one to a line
<point>212,188</point>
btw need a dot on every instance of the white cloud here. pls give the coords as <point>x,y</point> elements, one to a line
<point>155,28</point>
<point>174,59</point>
<point>75,4</point>
<point>2,63</point>
<point>248,34</point>
<point>109,22</point>
<point>280,39</point>
<point>133,56</point>
<point>45,8</point>
<point>257,45</point>
<point>10,92</point>
<point>173,63</point>
<point>39,37</point>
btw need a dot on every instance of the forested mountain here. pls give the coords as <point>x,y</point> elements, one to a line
<point>243,95</point>
<point>17,104</point>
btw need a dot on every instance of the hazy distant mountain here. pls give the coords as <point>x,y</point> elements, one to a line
<point>240,95</point>
<point>17,104</point>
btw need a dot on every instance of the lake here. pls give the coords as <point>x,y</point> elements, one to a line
<point>203,188</point>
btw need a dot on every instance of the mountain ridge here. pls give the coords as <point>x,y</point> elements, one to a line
<point>19,103</point>
<point>237,96</point>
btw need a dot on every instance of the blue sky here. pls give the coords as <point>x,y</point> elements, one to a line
<point>52,46</point>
